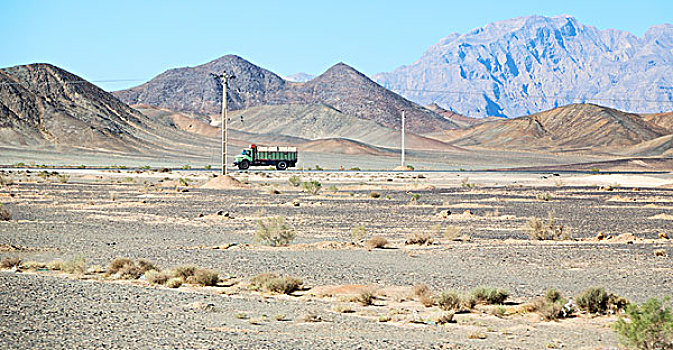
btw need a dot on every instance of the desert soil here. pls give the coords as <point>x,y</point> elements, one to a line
<point>102,215</point>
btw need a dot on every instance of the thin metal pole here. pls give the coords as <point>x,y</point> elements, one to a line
<point>224,77</point>
<point>402,143</point>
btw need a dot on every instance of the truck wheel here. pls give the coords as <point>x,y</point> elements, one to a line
<point>244,164</point>
<point>282,165</point>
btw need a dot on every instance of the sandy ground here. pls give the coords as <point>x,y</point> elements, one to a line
<point>171,220</point>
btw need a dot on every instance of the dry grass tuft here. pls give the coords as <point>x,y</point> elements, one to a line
<point>274,283</point>
<point>366,297</point>
<point>5,214</point>
<point>539,230</point>
<point>376,242</point>
<point>55,265</point>
<point>75,266</point>
<point>184,271</point>
<point>174,282</point>
<point>8,263</point>
<point>419,238</point>
<point>452,232</point>
<point>157,277</point>
<point>274,232</point>
<point>204,277</point>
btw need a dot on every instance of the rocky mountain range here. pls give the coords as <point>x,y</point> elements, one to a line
<point>43,106</point>
<point>341,87</point>
<point>526,65</point>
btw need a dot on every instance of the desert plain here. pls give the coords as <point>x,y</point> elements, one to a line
<point>473,228</point>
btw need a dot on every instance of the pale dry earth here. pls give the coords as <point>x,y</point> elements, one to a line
<point>102,215</point>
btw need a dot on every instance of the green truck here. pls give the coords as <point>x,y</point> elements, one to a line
<point>278,156</point>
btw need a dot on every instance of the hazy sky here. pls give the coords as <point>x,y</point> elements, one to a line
<point>110,40</point>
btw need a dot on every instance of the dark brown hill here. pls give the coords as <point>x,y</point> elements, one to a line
<point>44,106</point>
<point>194,90</point>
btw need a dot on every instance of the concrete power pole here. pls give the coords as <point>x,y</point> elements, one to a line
<point>224,79</point>
<point>402,143</point>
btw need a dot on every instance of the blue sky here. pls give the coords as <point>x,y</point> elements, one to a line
<point>111,40</point>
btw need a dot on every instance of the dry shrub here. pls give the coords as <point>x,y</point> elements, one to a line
<point>550,306</point>
<point>358,233</point>
<point>76,266</point>
<point>5,214</point>
<point>455,301</point>
<point>273,283</point>
<point>8,263</point>
<point>129,272</point>
<point>34,265</point>
<point>274,232</point>
<point>343,309</point>
<point>174,282</point>
<point>145,265</point>
<point>427,300</point>
<point>374,194</point>
<point>421,290</point>
<point>204,277</point>
<point>366,296</point>
<point>376,242</point>
<point>446,317</point>
<point>157,277</point>
<point>597,300</point>
<point>489,296</point>
<point>539,230</point>
<point>117,264</point>
<point>452,232</point>
<point>419,238</point>
<point>548,310</point>
<point>55,265</point>
<point>184,271</point>
<point>311,317</point>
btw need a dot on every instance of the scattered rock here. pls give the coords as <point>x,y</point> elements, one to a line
<point>663,235</point>
<point>659,252</point>
<point>444,214</point>
<point>600,236</point>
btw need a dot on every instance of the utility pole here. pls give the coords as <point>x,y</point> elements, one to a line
<point>224,79</point>
<point>402,143</point>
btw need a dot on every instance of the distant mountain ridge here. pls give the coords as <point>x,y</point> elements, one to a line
<point>194,90</point>
<point>529,64</point>
<point>583,128</point>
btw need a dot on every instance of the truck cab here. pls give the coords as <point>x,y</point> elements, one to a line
<point>278,156</point>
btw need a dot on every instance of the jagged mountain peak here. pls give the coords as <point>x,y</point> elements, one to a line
<point>528,64</point>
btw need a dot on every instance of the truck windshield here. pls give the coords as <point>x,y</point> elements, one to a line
<point>246,152</point>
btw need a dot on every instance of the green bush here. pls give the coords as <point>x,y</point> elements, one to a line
<point>596,300</point>
<point>488,295</point>
<point>312,187</point>
<point>294,180</point>
<point>455,301</point>
<point>274,232</point>
<point>358,233</point>
<point>648,326</point>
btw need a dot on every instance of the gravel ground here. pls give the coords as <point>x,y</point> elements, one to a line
<point>54,220</point>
